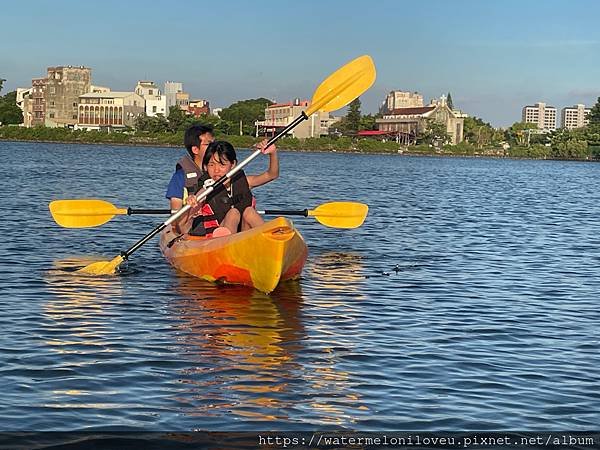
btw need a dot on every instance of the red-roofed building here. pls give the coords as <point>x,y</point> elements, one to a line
<point>409,123</point>
<point>199,107</point>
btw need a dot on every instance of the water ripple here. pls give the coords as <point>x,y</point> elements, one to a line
<point>467,301</point>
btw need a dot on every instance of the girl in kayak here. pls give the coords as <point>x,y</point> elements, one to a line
<point>230,208</point>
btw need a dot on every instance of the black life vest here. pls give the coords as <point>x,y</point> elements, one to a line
<point>191,175</point>
<point>219,202</point>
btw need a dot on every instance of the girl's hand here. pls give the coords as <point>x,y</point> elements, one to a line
<point>266,150</point>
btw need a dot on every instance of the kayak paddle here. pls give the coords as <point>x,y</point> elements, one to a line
<point>333,214</point>
<point>86,213</point>
<point>335,92</point>
<point>91,213</point>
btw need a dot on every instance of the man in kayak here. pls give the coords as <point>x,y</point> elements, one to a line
<point>188,169</point>
<point>230,208</point>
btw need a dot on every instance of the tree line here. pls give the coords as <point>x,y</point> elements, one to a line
<point>10,113</point>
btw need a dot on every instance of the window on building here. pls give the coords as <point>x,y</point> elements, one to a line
<point>150,91</point>
<point>52,115</point>
<point>154,109</point>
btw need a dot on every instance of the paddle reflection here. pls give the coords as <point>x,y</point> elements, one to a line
<point>73,326</point>
<point>338,272</point>
<point>77,296</point>
<point>244,344</point>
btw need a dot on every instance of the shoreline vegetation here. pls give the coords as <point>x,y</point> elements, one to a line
<point>324,144</point>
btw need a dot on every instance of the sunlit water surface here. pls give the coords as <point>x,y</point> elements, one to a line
<point>467,301</point>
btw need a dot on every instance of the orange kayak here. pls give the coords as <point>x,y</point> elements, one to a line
<point>260,257</point>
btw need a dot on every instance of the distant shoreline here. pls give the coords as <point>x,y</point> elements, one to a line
<point>441,154</point>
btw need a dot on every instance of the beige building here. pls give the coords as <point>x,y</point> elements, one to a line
<point>182,100</point>
<point>64,86</point>
<point>401,99</point>
<point>176,96</point>
<point>280,115</point>
<point>99,88</point>
<point>109,110</point>
<point>575,116</point>
<point>146,89</point>
<point>34,104</point>
<point>544,116</point>
<point>24,104</point>
<point>408,123</point>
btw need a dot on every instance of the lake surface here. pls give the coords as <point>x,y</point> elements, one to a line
<point>469,300</point>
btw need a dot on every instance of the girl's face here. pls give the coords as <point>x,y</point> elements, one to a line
<point>218,166</point>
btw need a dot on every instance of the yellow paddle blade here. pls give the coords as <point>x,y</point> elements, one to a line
<point>83,213</point>
<point>340,214</point>
<point>103,267</point>
<point>344,85</point>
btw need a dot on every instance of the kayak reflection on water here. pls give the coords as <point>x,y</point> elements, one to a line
<point>243,345</point>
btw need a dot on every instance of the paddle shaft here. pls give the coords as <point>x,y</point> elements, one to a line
<point>267,212</point>
<point>202,195</point>
<point>132,212</point>
<point>284,212</point>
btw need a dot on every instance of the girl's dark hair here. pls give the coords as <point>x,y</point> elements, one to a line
<point>224,151</point>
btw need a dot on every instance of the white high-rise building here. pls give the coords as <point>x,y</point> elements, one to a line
<point>575,116</point>
<point>544,116</point>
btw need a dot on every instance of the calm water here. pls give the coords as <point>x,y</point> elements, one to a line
<point>468,301</point>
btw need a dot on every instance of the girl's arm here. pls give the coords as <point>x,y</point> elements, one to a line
<point>271,173</point>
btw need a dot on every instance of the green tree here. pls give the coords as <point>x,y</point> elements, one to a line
<point>434,134</point>
<point>449,101</point>
<point>595,113</point>
<point>176,118</point>
<point>155,124</point>
<point>10,113</point>
<point>220,126</point>
<point>352,121</point>
<point>478,132</point>
<point>246,111</point>
<point>367,122</point>
<point>520,132</point>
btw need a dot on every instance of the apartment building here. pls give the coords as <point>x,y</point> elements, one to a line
<point>64,85</point>
<point>544,116</point>
<point>280,115</point>
<point>576,116</point>
<point>34,104</point>
<point>109,110</point>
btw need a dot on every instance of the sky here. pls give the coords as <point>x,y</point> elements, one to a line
<point>494,57</point>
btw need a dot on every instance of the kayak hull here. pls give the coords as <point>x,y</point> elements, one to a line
<point>261,257</point>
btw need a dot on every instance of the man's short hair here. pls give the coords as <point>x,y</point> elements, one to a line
<point>192,135</point>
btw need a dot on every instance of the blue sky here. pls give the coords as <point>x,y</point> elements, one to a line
<point>493,56</point>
